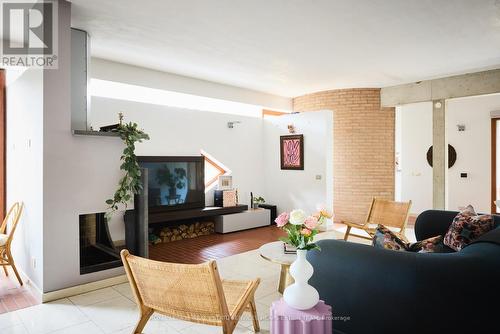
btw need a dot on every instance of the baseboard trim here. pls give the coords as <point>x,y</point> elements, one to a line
<point>37,292</point>
<point>83,288</point>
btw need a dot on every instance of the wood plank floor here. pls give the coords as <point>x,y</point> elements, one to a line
<point>12,295</point>
<point>214,246</point>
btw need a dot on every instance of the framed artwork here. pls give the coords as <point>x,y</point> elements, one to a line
<point>292,152</point>
<point>225,182</point>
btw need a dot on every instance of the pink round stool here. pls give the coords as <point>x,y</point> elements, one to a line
<point>286,320</point>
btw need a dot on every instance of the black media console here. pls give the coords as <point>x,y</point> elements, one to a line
<point>134,223</point>
<point>139,220</point>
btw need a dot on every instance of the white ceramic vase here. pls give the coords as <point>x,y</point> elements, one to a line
<point>300,295</point>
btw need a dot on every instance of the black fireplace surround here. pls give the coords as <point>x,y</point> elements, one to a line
<point>97,250</point>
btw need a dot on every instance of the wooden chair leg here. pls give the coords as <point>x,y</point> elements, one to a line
<point>11,262</point>
<point>255,319</point>
<point>146,313</point>
<point>17,274</point>
<point>6,271</point>
<point>227,329</point>
<point>346,235</point>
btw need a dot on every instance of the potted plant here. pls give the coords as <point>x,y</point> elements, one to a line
<point>130,184</point>
<point>301,229</point>
<point>257,200</point>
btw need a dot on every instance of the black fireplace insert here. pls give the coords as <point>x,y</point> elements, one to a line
<point>97,250</point>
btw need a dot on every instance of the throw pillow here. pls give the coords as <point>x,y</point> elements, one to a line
<point>466,227</point>
<point>430,245</point>
<point>385,238</point>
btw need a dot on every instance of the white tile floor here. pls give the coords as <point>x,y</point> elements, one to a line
<point>113,310</point>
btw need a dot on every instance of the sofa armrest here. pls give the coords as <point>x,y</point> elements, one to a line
<point>464,279</point>
<point>431,223</point>
<point>362,282</point>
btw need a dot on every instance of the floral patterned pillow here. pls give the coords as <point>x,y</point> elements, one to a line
<point>467,226</point>
<point>385,238</point>
<point>430,245</point>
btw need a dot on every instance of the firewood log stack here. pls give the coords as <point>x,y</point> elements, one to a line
<point>183,231</point>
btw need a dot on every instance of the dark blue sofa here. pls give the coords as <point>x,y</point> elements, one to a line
<point>375,290</point>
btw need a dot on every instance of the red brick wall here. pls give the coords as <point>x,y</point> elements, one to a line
<point>363,147</point>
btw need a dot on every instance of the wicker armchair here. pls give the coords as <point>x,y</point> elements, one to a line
<point>11,219</point>
<point>188,292</point>
<point>385,212</point>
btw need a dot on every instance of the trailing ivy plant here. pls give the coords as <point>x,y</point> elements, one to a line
<point>130,184</point>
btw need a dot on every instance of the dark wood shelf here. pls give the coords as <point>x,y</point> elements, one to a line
<point>95,133</point>
<point>209,211</point>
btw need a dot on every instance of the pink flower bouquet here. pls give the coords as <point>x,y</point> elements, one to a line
<point>301,228</point>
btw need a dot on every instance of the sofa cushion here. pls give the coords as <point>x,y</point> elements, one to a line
<point>466,227</point>
<point>430,245</point>
<point>385,238</point>
<point>491,237</point>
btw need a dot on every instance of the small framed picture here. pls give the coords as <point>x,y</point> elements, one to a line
<point>229,198</point>
<point>289,249</point>
<point>292,152</point>
<point>225,182</point>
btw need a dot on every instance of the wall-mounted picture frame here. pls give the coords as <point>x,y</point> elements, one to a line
<point>292,152</point>
<point>225,182</point>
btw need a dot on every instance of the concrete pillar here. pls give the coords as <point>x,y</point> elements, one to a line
<point>438,154</point>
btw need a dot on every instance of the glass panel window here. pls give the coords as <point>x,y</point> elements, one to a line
<point>212,171</point>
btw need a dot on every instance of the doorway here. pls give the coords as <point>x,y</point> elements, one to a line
<point>495,164</point>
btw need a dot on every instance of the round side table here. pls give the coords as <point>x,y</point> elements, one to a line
<point>275,253</point>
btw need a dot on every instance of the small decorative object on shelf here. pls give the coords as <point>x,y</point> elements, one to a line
<point>289,249</point>
<point>109,128</point>
<point>230,198</point>
<point>226,198</point>
<point>225,182</point>
<point>258,200</point>
<point>113,127</point>
<point>301,230</point>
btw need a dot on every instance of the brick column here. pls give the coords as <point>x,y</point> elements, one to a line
<point>363,147</point>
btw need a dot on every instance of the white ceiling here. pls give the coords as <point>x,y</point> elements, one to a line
<point>292,47</point>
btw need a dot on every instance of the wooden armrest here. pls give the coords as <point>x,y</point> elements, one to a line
<point>355,225</point>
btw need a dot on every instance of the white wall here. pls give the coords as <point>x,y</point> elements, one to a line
<point>175,131</point>
<point>473,148</point>
<point>413,139</point>
<point>24,166</point>
<point>297,189</point>
<point>79,173</point>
